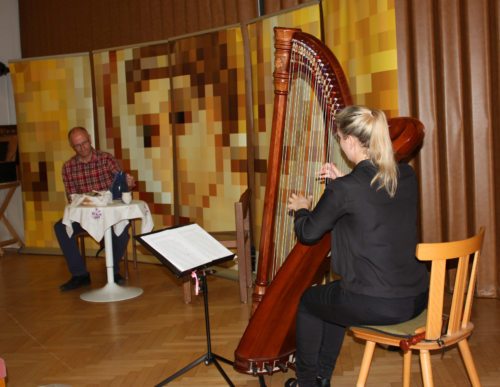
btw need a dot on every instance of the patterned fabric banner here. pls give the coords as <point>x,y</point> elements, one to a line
<point>133,114</point>
<point>52,95</point>
<point>210,128</point>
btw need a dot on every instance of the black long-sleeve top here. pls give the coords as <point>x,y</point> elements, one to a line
<point>374,236</point>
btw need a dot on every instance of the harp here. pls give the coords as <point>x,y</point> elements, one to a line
<point>309,87</point>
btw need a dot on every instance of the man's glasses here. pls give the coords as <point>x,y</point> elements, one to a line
<point>81,145</point>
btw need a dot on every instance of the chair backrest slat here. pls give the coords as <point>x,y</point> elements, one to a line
<point>243,224</point>
<point>467,253</point>
<point>470,290</point>
<point>436,297</point>
<point>457,303</point>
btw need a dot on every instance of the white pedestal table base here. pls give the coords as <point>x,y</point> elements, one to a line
<point>111,292</point>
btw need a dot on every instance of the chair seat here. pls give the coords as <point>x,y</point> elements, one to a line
<point>402,330</point>
<point>396,339</point>
<point>393,334</point>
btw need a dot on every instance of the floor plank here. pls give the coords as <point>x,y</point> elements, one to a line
<point>49,338</point>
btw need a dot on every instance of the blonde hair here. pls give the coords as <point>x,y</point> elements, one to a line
<point>370,127</point>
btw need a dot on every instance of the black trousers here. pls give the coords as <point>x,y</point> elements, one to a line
<point>324,313</point>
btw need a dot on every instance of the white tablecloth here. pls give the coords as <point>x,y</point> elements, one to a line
<point>95,220</point>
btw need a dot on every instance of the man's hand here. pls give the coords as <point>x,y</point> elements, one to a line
<point>130,181</point>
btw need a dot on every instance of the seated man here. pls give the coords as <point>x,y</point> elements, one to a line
<point>88,170</point>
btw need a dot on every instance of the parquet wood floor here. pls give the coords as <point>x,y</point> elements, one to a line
<point>52,338</point>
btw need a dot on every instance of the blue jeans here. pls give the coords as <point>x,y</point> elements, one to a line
<point>74,260</point>
<point>324,313</point>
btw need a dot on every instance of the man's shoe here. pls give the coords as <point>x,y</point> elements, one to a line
<point>292,382</point>
<point>76,282</point>
<point>119,280</point>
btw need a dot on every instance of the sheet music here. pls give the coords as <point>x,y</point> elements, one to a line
<point>186,247</point>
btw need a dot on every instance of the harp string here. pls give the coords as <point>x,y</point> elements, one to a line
<point>308,141</point>
<point>284,175</point>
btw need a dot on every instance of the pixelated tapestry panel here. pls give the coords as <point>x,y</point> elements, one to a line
<point>140,118</point>
<point>262,57</point>
<point>51,96</point>
<point>133,114</point>
<point>210,128</point>
<point>362,34</point>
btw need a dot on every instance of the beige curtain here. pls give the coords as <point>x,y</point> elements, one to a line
<point>448,60</point>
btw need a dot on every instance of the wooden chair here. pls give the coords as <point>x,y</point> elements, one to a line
<point>433,330</point>
<point>11,189</point>
<point>80,237</point>
<point>240,239</point>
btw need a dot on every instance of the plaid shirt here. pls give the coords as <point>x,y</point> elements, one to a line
<point>97,174</point>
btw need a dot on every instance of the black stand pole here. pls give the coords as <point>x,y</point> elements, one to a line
<point>209,357</point>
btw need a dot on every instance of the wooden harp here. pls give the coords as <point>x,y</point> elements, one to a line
<point>310,87</point>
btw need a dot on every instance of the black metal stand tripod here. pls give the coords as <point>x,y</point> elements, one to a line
<point>209,357</point>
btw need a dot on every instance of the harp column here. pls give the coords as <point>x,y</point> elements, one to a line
<point>283,46</point>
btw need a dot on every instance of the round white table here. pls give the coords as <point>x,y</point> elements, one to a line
<point>98,221</point>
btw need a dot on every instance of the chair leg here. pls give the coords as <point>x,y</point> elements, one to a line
<point>125,255</point>
<point>464,348</point>
<point>187,289</point>
<point>134,245</point>
<point>406,368</point>
<point>243,284</point>
<point>242,251</point>
<point>82,249</point>
<point>248,265</point>
<point>365,363</point>
<point>125,264</point>
<point>425,363</point>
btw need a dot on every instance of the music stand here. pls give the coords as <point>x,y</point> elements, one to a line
<point>173,247</point>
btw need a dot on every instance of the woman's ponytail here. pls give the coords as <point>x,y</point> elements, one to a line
<point>382,154</point>
<point>371,129</point>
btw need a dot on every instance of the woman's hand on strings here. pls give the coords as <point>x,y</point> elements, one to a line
<point>330,171</point>
<point>298,201</point>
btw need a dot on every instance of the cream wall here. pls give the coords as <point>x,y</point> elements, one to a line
<point>10,48</point>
